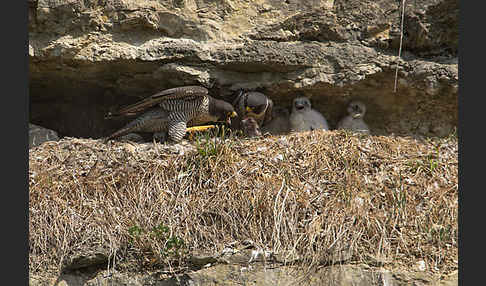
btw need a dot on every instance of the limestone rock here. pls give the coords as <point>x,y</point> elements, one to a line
<point>86,260</point>
<point>227,274</point>
<point>39,135</point>
<point>89,56</point>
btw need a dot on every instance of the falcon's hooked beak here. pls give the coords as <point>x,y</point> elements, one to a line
<point>230,115</point>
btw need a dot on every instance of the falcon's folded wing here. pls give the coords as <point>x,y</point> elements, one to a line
<point>177,94</point>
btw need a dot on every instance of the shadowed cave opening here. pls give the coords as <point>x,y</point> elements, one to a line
<point>77,109</point>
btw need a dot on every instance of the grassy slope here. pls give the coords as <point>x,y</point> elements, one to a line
<point>303,193</point>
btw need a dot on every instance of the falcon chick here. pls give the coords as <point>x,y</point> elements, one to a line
<point>279,123</point>
<point>354,121</point>
<point>253,104</point>
<point>172,112</point>
<point>304,118</point>
<point>250,127</point>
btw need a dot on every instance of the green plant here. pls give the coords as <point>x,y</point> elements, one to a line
<point>160,231</point>
<point>212,143</point>
<point>135,232</point>
<point>174,246</point>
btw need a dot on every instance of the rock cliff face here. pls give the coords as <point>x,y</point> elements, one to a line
<point>339,275</point>
<point>86,57</point>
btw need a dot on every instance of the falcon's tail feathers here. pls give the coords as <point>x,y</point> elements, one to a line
<point>130,127</point>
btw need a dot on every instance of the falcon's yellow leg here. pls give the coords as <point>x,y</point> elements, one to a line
<point>200,128</point>
<point>191,130</point>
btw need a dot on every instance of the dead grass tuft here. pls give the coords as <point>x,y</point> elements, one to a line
<point>305,194</point>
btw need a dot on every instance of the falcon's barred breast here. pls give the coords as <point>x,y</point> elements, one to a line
<point>172,110</point>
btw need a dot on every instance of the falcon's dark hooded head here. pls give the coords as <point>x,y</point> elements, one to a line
<point>221,109</point>
<point>254,104</point>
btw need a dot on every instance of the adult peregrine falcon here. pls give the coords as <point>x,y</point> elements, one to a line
<point>253,104</point>
<point>354,121</point>
<point>171,111</point>
<point>304,118</point>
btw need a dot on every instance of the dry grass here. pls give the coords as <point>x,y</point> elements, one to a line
<point>304,193</point>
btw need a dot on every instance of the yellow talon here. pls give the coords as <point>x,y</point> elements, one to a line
<point>200,128</point>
